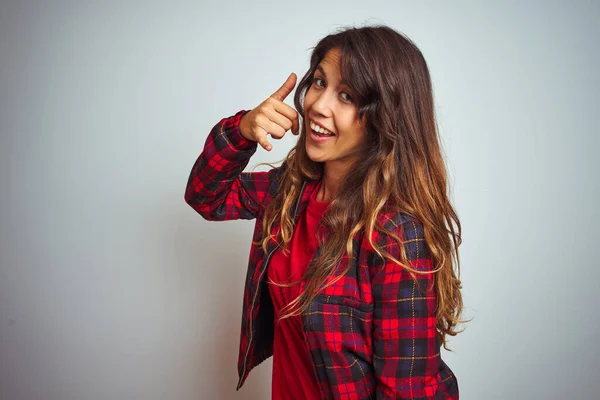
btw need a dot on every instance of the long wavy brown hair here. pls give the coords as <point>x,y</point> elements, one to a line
<point>402,168</point>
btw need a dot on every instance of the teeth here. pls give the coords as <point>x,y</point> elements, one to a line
<point>317,128</point>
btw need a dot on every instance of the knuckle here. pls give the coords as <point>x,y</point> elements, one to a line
<point>261,110</point>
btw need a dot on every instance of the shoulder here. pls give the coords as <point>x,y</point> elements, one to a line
<point>276,178</point>
<point>393,219</point>
<point>401,223</point>
<point>408,228</point>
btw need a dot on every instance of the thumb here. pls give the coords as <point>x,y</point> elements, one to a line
<point>286,88</point>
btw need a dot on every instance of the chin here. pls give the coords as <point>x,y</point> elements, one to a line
<point>315,156</point>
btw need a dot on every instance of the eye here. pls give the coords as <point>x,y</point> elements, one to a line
<point>315,79</point>
<point>347,99</point>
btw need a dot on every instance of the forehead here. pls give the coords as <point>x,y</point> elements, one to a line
<point>332,56</point>
<point>330,65</point>
<point>331,61</point>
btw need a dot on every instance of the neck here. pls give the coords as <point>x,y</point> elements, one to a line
<point>332,177</point>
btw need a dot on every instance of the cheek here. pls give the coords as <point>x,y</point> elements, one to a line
<point>355,137</point>
<point>308,99</point>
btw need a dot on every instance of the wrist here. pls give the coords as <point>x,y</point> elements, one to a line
<point>244,128</point>
<point>235,135</point>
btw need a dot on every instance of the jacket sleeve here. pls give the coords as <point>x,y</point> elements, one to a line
<point>217,188</point>
<point>405,346</point>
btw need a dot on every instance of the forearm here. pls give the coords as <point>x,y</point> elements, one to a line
<point>216,187</point>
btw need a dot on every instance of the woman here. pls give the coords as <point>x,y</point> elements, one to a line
<point>351,284</point>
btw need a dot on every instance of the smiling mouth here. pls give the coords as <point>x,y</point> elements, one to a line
<point>327,133</point>
<point>319,137</point>
<point>322,134</point>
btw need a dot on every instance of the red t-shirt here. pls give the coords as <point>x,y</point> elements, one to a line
<point>293,371</point>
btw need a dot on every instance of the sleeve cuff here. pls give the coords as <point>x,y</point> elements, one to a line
<point>232,126</point>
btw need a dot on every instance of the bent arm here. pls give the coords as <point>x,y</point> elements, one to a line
<point>217,188</point>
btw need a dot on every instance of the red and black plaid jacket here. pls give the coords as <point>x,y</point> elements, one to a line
<point>372,334</point>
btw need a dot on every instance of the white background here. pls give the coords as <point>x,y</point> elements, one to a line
<point>111,287</point>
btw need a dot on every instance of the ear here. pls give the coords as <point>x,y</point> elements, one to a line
<point>363,120</point>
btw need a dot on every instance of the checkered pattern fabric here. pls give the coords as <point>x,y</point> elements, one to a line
<point>372,334</point>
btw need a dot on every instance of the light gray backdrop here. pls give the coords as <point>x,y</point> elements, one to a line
<point>111,287</point>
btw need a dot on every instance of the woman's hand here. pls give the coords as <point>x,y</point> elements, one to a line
<point>271,117</point>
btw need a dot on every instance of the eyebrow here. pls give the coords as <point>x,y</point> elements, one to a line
<point>320,69</point>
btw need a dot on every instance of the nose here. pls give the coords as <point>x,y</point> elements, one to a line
<point>322,103</point>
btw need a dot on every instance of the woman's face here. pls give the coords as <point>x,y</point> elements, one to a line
<point>329,103</point>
